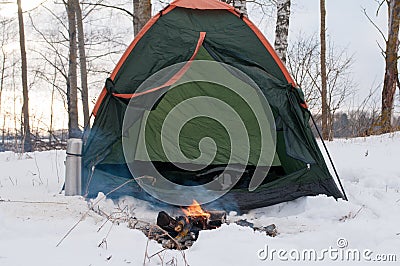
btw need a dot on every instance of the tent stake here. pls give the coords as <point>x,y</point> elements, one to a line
<point>329,156</point>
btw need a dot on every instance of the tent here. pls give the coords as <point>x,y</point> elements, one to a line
<point>186,35</point>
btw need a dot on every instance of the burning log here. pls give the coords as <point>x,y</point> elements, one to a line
<point>185,229</point>
<point>168,223</point>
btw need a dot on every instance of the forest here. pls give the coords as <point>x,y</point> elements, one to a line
<point>56,55</point>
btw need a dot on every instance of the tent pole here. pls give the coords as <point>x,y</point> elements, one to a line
<point>329,156</point>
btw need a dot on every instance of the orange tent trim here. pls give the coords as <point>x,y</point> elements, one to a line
<point>202,4</point>
<point>271,50</point>
<point>137,38</point>
<point>172,80</point>
<point>191,4</point>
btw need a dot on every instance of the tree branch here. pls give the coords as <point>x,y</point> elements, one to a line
<point>114,7</point>
<point>374,24</point>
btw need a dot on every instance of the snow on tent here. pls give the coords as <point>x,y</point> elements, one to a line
<point>171,61</point>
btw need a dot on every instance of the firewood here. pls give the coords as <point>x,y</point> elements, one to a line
<point>166,222</point>
<point>217,218</point>
<point>244,223</point>
<point>184,230</point>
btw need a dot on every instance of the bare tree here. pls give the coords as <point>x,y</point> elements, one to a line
<point>390,53</point>
<point>82,64</point>
<point>72,85</point>
<point>4,64</point>
<point>391,71</point>
<point>340,84</point>
<point>282,28</point>
<point>101,46</point>
<point>304,65</point>
<point>27,145</point>
<point>325,111</point>
<point>5,38</point>
<point>365,118</point>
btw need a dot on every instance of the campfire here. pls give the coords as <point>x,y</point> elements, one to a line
<point>181,232</point>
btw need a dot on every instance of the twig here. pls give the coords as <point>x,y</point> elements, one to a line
<point>374,24</point>
<point>112,6</point>
<point>32,202</point>
<point>104,241</point>
<point>354,216</point>
<point>9,177</point>
<point>158,252</point>
<point>87,212</point>
<point>109,230</point>
<point>379,7</point>
<point>58,176</point>
<point>178,246</point>
<point>146,255</point>
<point>37,167</point>
<point>101,227</point>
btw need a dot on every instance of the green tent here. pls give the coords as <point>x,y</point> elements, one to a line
<point>200,96</point>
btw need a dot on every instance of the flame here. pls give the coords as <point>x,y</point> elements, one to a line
<point>195,210</point>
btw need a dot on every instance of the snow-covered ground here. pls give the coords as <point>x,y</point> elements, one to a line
<point>34,217</point>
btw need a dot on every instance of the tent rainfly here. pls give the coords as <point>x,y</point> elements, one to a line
<point>206,31</point>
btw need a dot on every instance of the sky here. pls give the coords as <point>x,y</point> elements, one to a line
<point>347,27</point>
<point>26,5</point>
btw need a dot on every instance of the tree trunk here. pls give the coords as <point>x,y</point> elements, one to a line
<point>52,104</point>
<point>282,28</point>
<point>83,64</point>
<point>238,4</point>
<point>27,144</point>
<point>391,72</point>
<point>73,128</point>
<point>325,110</point>
<point>3,134</point>
<point>136,10</point>
<point>142,12</point>
<point>3,69</point>
<point>4,59</point>
<point>241,6</point>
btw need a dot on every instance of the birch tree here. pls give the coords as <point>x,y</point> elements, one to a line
<point>282,28</point>
<point>27,144</point>
<point>238,4</point>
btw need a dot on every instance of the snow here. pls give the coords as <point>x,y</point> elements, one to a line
<point>35,215</point>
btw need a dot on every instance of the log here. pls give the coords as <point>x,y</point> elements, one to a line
<point>216,219</point>
<point>166,222</point>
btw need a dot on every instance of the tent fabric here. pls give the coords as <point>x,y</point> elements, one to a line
<point>207,30</point>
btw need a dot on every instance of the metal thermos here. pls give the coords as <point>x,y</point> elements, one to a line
<point>73,167</point>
